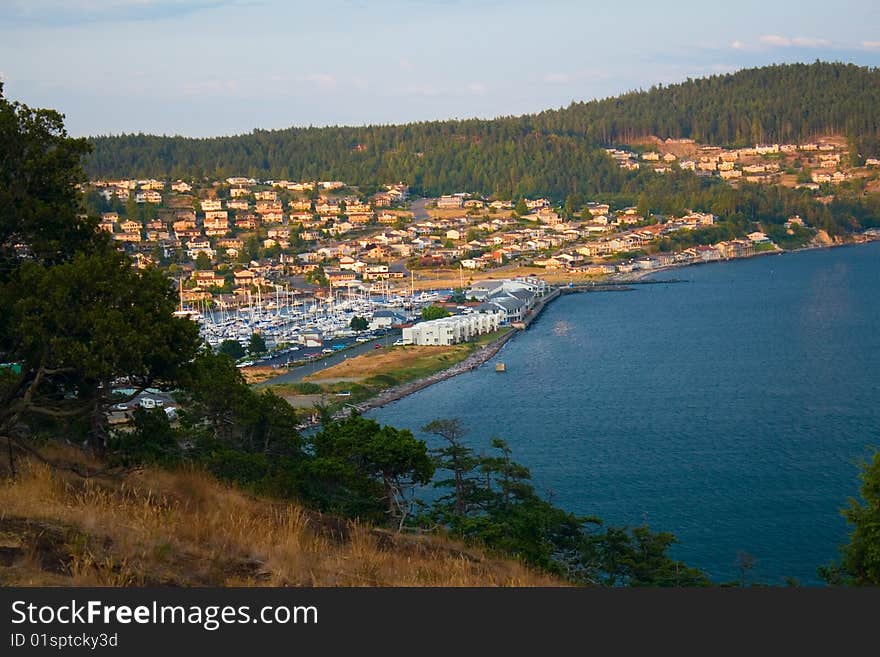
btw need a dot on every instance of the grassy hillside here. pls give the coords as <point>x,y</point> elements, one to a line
<point>555,152</point>
<point>185,528</point>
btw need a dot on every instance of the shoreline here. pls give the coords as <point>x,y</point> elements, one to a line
<point>484,354</point>
<point>479,357</point>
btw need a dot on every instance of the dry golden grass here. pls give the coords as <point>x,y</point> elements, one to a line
<point>392,360</point>
<point>185,528</point>
<point>259,373</point>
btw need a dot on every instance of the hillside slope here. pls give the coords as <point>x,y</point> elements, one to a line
<point>186,529</point>
<point>554,152</point>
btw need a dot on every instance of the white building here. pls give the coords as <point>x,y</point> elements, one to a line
<point>449,202</point>
<point>450,330</point>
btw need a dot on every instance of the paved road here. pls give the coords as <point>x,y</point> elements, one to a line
<point>299,373</point>
<point>418,209</point>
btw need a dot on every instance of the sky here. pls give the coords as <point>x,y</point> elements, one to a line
<point>217,67</point>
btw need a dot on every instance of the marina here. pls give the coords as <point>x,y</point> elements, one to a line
<point>292,319</point>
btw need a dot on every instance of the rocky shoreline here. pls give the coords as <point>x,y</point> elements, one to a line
<point>473,361</point>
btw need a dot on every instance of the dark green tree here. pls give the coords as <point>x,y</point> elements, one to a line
<point>150,440</point>
<point>256,345</point>
<point>434,312</point>
<point>203,262</point>
<point>860,557</point>
<point>458,459</point>
<point>232,348</point>
<point>222,412</point>
<point>359,323</point>
<point>367,470</point>
<point>81,325</point>
<point>74,314</point>
<point>572,203</point>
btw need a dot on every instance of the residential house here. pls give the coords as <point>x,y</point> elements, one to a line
<point>195,247</point>
<point>148,196</point>
<point>449,202</point>
<point>247,221</point>
<point>208,278</point>
<point>131,226</point>
<point>244,277</point>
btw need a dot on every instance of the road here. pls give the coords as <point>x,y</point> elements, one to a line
<point>418,209</point>
<point>299,373</point>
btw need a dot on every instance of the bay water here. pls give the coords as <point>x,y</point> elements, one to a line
<point>732,408</point>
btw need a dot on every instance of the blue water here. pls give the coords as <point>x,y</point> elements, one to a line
<point>732,409</point>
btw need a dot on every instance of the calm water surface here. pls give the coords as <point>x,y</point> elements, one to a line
<point>732,409</point>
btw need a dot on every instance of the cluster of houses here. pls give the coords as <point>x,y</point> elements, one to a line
<point>581,258</point>
<point>350,241</point>
<point>211,225</point>
<point>762,163</point>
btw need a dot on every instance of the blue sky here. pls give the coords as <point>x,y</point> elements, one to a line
<point>215,67</point>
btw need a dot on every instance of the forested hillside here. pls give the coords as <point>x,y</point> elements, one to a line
<point>556,152</point>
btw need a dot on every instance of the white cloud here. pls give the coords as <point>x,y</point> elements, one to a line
<point>738,45</point>
<point>871,45</point>
<point>776,40</point>
<point>405,64</point>
<point>476,87</point>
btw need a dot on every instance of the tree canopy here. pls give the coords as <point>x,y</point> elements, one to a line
<point>75,317</point>
<point>555,152</point>
<point>860,557</point>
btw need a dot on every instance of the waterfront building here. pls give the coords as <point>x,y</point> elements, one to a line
<point>383,319</point>
<point>450,330</point>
